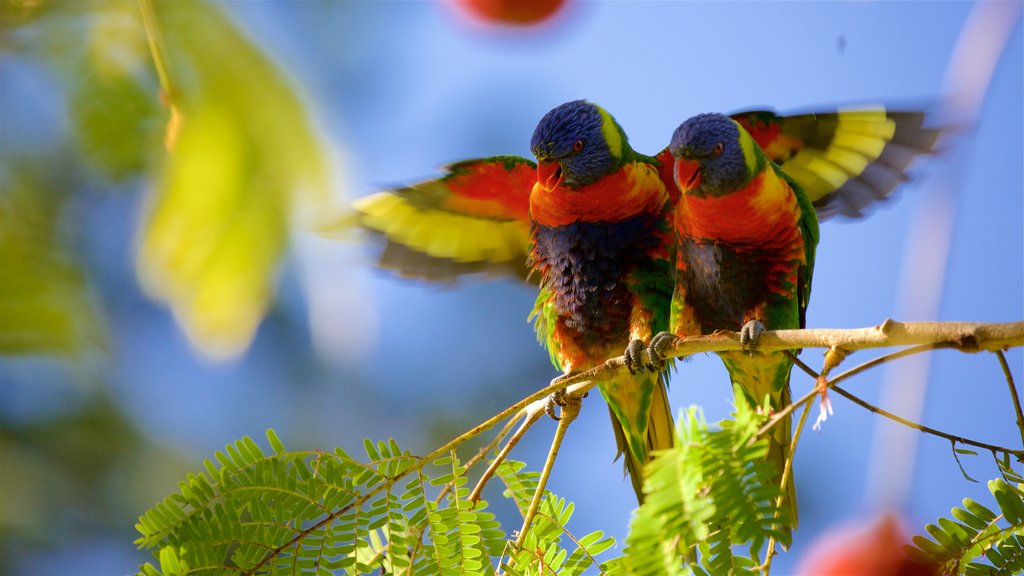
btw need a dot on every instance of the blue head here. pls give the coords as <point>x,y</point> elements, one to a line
<point>714,155</point>
<point>577,143</point>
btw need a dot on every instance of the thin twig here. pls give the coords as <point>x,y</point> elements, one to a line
<point>528,421</point>
<point>920,427</point>
<point>785,412</point>
<point>927,429</point>
<point>569,413</point>
<point>800,364</point>
<point>787,470</point>
<point>156,48</point>
<point>1013,392</point>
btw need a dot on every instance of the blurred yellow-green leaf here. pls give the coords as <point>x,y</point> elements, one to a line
<point>113,93</point>
<point>44,304</point>
<point>244,165</point>
<point>99,50</point>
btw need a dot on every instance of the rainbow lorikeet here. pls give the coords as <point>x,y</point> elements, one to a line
<point>746,235</point>
<point>747,231</point>
<point>594,220</point>
<point>601,244</point>
<point>575,221</point>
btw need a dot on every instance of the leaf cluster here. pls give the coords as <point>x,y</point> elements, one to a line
<point>329,513</point>
<point>975,540</point>
<point>710,503</point>
<point>542,550</point>
<point>228,180</point>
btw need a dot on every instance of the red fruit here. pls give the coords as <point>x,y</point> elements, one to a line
<point>858,550</point>
<point>514,12</point>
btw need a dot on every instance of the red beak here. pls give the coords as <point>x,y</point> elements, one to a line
<point>549,174</point>
<point>687,174</point>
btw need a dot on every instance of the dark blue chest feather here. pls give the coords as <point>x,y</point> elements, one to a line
<point>722,284</point>
<point>586,267</point>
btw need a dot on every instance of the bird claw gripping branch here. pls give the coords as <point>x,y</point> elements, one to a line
<point>750,335</point>
<point>640,357</point>
<point>556,401</point>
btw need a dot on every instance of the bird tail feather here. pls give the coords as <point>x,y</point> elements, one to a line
<point>659,431</point>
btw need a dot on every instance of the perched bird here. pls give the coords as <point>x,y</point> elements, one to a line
<point>574,223</point>
<point>747,229</point>
<point>590,220</point>
<point>601,245</point>
<point>746,235</point>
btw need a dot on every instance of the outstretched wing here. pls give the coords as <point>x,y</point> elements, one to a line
<point>475,218</point>
<point>847,159</point>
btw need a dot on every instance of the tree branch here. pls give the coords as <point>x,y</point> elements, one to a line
<point>963,336</point>
<point>1013,392</point>
<point>927,429</point>
<point>909,423</point>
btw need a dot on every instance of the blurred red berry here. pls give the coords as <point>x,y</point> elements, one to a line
<point>513,12</point>
<point>874,549</point>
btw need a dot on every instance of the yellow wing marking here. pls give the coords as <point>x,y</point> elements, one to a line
<point>442,234</point>
<point>860,137</point>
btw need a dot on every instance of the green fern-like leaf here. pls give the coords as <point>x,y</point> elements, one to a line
<point>545,548</point>
<point>320,513</point>
<point>977,541</point>
<point>708,498</point>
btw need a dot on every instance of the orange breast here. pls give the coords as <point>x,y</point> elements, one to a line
<point>633,190</point>
<point>762,214</point>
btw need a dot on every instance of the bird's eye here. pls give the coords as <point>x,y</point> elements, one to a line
<point>577,145</point>
<point>718,149</point>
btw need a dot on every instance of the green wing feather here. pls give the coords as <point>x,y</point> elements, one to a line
<point>809,229</point>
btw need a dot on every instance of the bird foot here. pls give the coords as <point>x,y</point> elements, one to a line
<point>750,334</point>
<point>660,344</point>
<point>640,357</point>
<point>556,401</point>
<point>634,356</point>
<point>559,400</point>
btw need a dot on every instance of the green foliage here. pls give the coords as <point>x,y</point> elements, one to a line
<point>98,50</point>
<point>317,512</point>
<point>236,178</point>
<point>542,550</point>
<point>229,178</point>
<point>45,306</point>
<point>709,509</point>
<point>112,93</point>
<point>976,541</point>
<point>1006,469</point>
<point>708,499</point>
